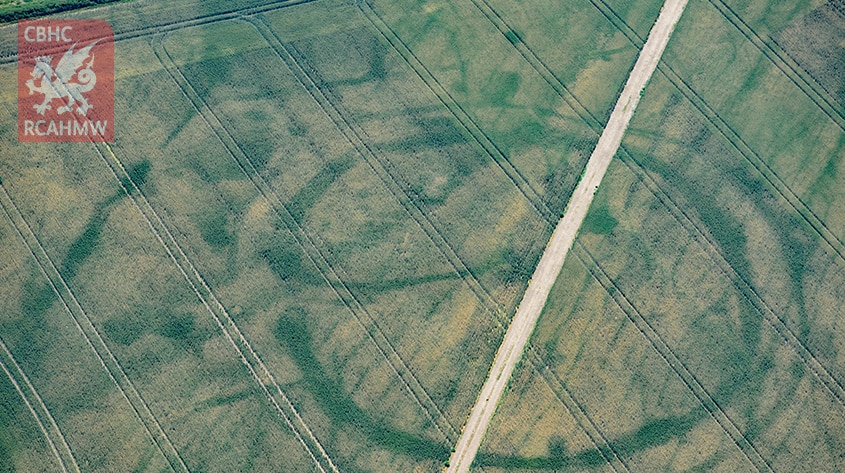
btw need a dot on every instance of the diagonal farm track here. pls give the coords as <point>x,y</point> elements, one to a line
<point>552,260</point>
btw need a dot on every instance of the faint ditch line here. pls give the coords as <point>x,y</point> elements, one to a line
<point>549,218</point>
<point>61,459</point>
<point>789,69</point>
<point>402,192</point>
<point>262,379</point>
<point>134,192</point>
<point>741,284</point>
<point>133,397</point>
<point>492,305</point>
<point>671,358</point>
<point>456,110</point>
<point>175,25</point>
<point>545,73</point>
<point>765,171</point>
<point>317,258</point>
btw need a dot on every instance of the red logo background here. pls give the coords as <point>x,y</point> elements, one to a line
<point>54,39</point>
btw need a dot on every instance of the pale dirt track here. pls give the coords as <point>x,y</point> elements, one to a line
<point>564,235</point>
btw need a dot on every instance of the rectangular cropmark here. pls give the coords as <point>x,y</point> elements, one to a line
<point>65,81</point>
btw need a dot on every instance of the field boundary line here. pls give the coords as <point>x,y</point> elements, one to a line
<point>551,263</point>
<point>716,412</point>
<point>776,183</point>
<point>317,258</point>
<point>772,54</point>
<point>175,25</point>
<point>133,397</point>
<point>263,379</point>
<point>59,457</point>
<point>572,405</point>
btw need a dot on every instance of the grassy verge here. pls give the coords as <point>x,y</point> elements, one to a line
<point>13,10</point>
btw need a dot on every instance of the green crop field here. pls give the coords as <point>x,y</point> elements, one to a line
<point>317,218</point>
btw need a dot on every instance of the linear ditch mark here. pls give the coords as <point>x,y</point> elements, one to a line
<point>66,458</point>
<point>740,282</point>
<point>247,354</point>
<point>313,252</point>
<point>768,175</point>
<point>199,20</point>
<point>88,330</point>
<point>402,50</point>
<point>570,403</point>
<point>264,378</point>
<point>463,118</point>
<point>203,292</point>
<point>729,134</point>
<point>776,55</point>
<point>716,412</point>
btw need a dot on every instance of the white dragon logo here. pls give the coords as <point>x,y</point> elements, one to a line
<point>56,83</point>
